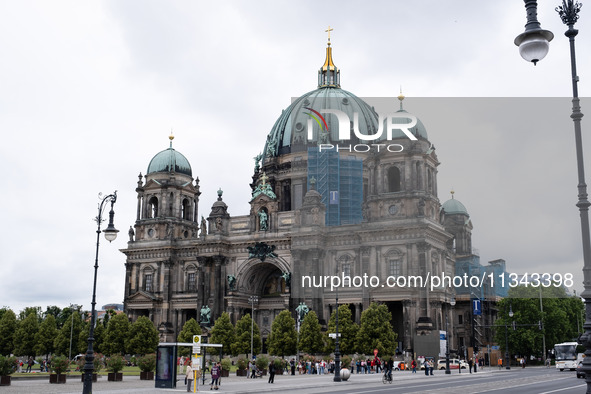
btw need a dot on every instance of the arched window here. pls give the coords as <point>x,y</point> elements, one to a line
<point>186,210</point>
<point>394,262</point>
<point>191,279</point>
<point>148,279</point>
<point>393,179</point>
<point>153,207</point>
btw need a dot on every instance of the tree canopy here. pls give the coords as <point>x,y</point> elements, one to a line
<point>242,330</point>
<point>143,337</point>
<point>562,318</point>
<point>7,330</point>
<point>116,335</point>
<point>223,333</point>
<point>376,331</point>
<point>347,328</point>
<point>310,335</point>
<point>283,337</point>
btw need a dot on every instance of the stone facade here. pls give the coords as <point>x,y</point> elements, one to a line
<point>177,264</point>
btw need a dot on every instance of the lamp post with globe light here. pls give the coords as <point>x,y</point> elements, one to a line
<point>110,235</point>
<point>452,303</point>
<point>507,364</point>
<point>535,40</point>
<point>253,300</point>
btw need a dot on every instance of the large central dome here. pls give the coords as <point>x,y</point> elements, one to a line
<point>290,132</point>
<point>306,123</point>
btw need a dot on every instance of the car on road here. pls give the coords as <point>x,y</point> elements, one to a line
<point>580,374</point>
<point>454,363</point>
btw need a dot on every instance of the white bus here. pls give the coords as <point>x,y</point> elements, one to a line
<point>566,355</point>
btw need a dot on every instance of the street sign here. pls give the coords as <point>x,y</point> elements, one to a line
<point>196,344</point>
<point>476,306</point>
<point>333,335</point>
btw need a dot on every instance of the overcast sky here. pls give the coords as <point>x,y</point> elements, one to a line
<point>89,92</point>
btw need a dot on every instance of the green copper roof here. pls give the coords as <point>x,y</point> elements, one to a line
<point>453,206</point>
<point>170,160</point>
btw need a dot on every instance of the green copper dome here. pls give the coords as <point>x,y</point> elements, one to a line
<point>170,160</point>
<point>290,134</point>
<point>454,207</point>
<point>306,122</point>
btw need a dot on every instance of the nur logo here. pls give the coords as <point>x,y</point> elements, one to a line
<point>344,134</point>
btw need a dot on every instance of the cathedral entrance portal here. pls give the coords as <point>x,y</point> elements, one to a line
<point>267,282</point>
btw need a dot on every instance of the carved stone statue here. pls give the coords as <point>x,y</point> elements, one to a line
<point>203,226</point>
<point>231,282</point>
<point>263,220</point>
<point>205,316</point>
<point>218,224</point>
<point>131,234</point>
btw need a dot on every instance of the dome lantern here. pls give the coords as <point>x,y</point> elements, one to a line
<point>329,75</point>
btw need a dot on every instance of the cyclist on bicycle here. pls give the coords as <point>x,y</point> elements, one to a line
<point>390,367</point>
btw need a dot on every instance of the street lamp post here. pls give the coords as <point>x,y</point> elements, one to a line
<point>507,365</point>
<point>110,235</point>
<point>252,300</point>
<point>72,329</point>
<point>452,302</point>
<point>569,13</point>
<point>337,353</point>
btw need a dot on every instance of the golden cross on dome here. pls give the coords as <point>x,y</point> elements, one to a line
<point>328,31</point>
<point>264,178</point>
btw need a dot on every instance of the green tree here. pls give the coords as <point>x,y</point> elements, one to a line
<point>46,335</point>
<point>55,311</point>
<point>24,337</point>
<point>310,336</point>
<point>347,328</point>
<point>143,337</point>
<point>376,331</point>
<point>7,329</point>
<point>107,316</point>
<point>70,330</point>
<point>223,333</point>
<point>242,344</point>
<point>116,334</point>
<point>283,337</point>
<point>561,316</point>
<point>35,310</point>
<point>99,335</point>
<point>190,328</point>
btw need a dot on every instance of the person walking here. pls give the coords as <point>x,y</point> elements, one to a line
<point>253,369</point>
<point>271,372</point>
<point>475,364</point>
<point>413,365</point>
<point>215,376</point>
<point>30,364</point>
<point>500,363</point>
<point>189,377</point>
<point>470,362</point>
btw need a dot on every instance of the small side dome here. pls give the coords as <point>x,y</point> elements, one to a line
<point>170,160</point>
<point>454,207</point>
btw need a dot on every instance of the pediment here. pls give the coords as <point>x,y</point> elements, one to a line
<point>142,296</point>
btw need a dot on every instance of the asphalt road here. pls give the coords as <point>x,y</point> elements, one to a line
<point>538,380</point>
<point>522,381</point>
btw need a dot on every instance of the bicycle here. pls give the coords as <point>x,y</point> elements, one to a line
<point>387,377</point>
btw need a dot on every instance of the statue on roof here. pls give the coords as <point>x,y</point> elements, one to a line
<point>263,188</point>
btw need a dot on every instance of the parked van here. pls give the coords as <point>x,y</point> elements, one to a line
<point>454,363</point>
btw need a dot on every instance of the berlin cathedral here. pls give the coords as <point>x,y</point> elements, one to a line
<point>325,201</point>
